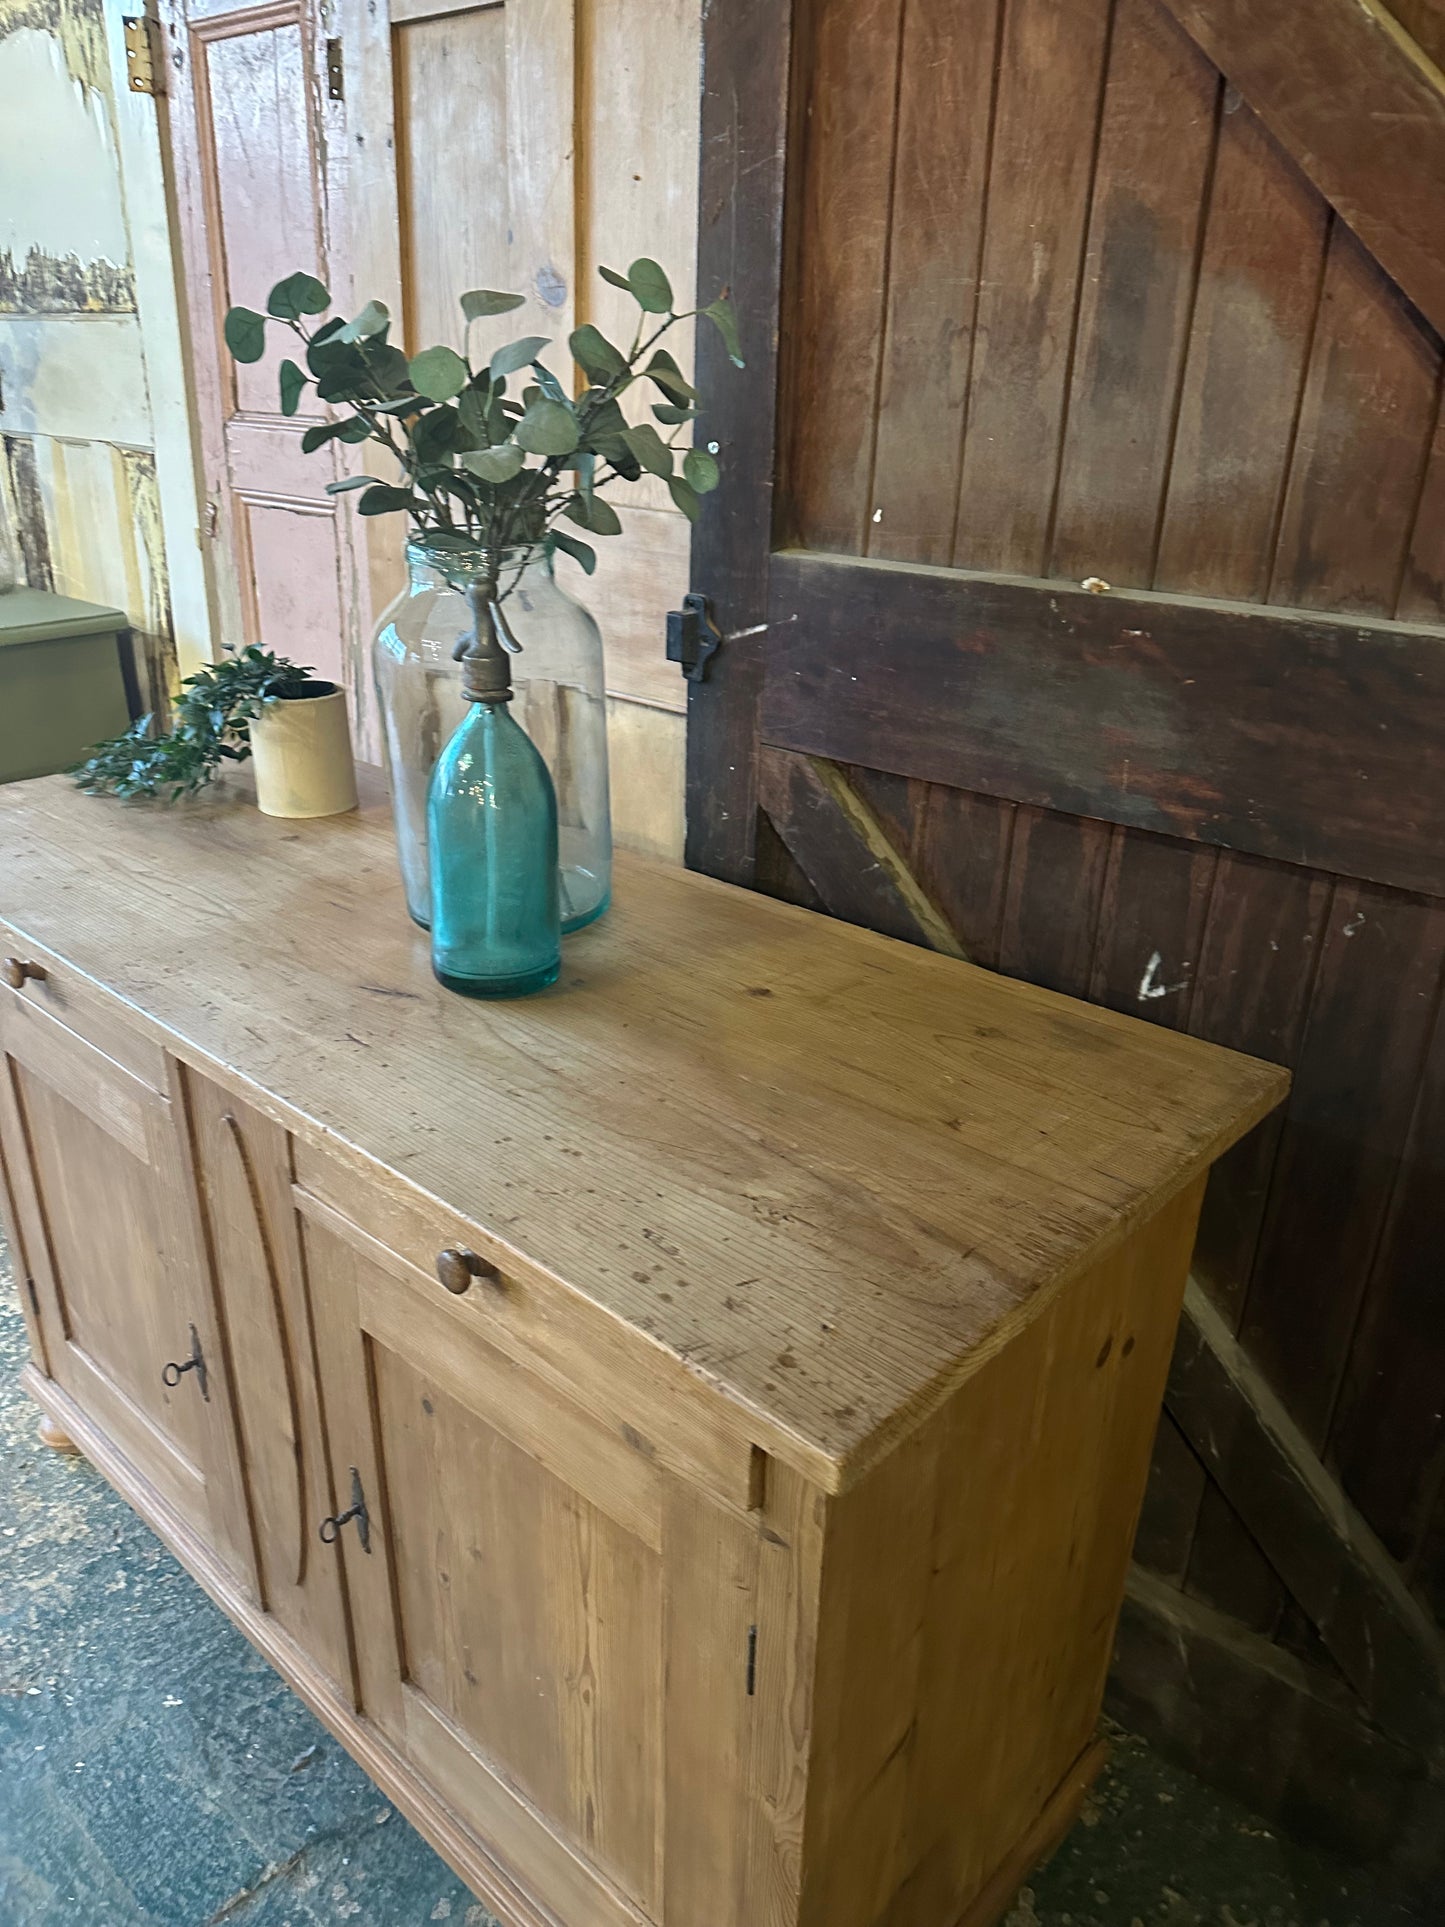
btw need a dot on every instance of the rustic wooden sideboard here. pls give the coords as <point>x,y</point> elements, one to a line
<point>683,1433</point>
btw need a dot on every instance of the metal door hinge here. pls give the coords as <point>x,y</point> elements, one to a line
<point>693,638</point>
<point>330,1529</point>
<point>143,58</point>
<point>335,71</point>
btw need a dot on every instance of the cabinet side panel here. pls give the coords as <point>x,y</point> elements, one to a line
<point>970,1593</point>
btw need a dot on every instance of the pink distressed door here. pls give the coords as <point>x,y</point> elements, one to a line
<point>249,113</point>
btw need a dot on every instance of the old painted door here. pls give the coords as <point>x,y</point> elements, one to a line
<point>1082,595</point>
<point>252,131</point>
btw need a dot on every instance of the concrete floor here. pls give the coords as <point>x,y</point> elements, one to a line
<point>155,1773</point>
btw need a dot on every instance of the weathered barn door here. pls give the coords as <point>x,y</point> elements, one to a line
<point>1081,592</point>
<point>248,121</point>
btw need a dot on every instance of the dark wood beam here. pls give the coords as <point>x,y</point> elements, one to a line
<point>1308,739</point>
<point>1379,1635</point>
<point>1360,109</point>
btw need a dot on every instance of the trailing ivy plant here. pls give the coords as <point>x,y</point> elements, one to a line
<point>210,725</point>
<point>480,468</point>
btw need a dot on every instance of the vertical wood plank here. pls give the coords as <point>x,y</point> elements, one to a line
<point>1050,75</point>
<point>1345,1129</point>
<point>940,194</point>
<point>1388,1437</point>
<point>1151,926</point>
<point>843,207</point>
<point>1366,422</point>
<point>1259,283</point>
<point>1422,587</point>
<point>710,1608</point>
<point>1151,188</point>
<point>1051,900</point>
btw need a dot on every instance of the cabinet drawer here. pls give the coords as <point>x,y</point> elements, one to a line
<point>639,1393</point>
<point>96,1015</point>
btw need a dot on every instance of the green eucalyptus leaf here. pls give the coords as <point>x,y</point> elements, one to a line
<point>245,333</point>
<point>549,384</point>
<point>594,513</point>
<point>472,410</point>
<point>438,373</point>
<point>548,428</point>
<point>605,420</point>
<point>373,318</point>
<point>379,499</point>
<point>700,471</point>
<point>580,552</point>
<point>720,314</point>
<point>436,433</point>
<point>649,448</point>
<point>685,497</point>
<point>354,430</point>
<point>615,279</point>
<point>650,287</point>
<point>297,295</point>
<point>506,361</point>
<point>663,370</point>
<point>671,414</point>
<point>293,384</point>
<point>595,355</point>
<point>347,483</point>
<point>613,449</point>
<point>327,329</point>
<point>498,464</point>
<point>478,303</point>
<point>318,435</point>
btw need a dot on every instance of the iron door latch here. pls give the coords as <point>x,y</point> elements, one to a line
<point>174,1372</point>
<point>693,638</point>
<point>330,1529</point>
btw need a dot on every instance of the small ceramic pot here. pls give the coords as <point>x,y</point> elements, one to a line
<point>301,751</point>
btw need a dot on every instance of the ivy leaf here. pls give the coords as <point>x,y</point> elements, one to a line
<point>649,448</point>
<point>297,295</point>
<point>245,333</point>
<point>596,356</point>
<point>594,513</point>
<point>580,552</point>
<point>349,482</point>
<point>381,500</point>
<point>650,287</point>
<point>548,428</point>
<point>498,464</point>
<point>478,303</point>
<point>372,319</point>
<point>672,415</point>
<point>670,379</point>
<point>293,383</point>
<point>438,373</point>
<point>700,471</point>
<point>506,361</point>
<point>615,279</point>
<point>720,314</point>
<point>685,497</point>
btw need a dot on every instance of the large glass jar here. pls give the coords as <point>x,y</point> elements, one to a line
<point>559,701</point>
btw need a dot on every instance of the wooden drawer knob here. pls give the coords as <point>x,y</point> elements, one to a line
<point>456,1267</point>
<point>17,969</point>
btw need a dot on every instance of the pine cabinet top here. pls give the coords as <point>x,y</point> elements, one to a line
<point>829,1172</point>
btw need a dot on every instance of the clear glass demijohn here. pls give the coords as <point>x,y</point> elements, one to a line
<point>559,701</point>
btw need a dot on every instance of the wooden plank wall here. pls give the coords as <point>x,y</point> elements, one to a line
<point>1076,313</point>
<point>1321,1232</point>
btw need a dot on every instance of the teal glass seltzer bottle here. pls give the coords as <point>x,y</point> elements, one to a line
<point>496,927</point>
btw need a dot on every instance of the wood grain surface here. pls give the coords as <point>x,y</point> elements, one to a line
<point>828,1172</point>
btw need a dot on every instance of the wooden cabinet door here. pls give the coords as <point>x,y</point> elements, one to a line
<point>550,1627</point>
<point>102,1209</point>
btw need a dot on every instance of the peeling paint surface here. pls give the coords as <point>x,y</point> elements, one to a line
<point>156,1773</point>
